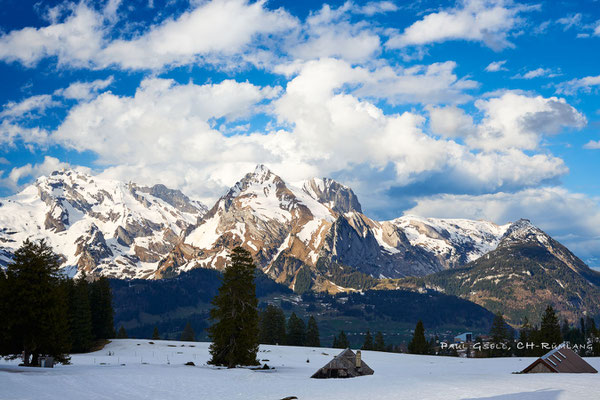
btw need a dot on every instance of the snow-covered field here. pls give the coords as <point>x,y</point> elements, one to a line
<point>137,369</point>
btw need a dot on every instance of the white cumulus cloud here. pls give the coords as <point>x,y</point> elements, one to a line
<point>571,218</point>
<point>592,145</point>
<point>520,121</point>
<point>485,21</point>
<point>573,86</point>
<point>84,90</point>
<point>496,66</point>
<point>75,41</point>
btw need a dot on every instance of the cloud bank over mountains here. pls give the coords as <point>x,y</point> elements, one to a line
<point>216,87</point>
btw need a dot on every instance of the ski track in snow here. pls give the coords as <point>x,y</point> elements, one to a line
<point>146,375</point>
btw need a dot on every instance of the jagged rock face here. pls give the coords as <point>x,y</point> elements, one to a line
<point>266,216</point>
<point>453,242</point>
<point>286,228</point>
<point>526,272</point>
<point>377,249</point>
<point>173,197</point>
<point>91,250</point>
<point>103,227</point>
<point>334,195</point>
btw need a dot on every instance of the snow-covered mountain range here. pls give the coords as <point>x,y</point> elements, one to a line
<point>124,230</point>
<point>99,226</point>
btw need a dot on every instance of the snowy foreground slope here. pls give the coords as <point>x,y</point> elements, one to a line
<point>147,375</point>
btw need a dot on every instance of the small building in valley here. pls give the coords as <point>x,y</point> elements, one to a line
<point>466,337</point>
<point>347,364</point>
<point>561,360</point>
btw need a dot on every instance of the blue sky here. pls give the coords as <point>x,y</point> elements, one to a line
<point>474,109</point>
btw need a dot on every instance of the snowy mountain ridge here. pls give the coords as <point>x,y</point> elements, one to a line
<point>124,230</point>
<point>99,226</point>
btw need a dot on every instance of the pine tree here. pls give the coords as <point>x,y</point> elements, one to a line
<point>368,344</point>
<point>102,309</point>
<point>418,344</point>
<point>312,333</point>
<point>500,337</point>
<point>296,331</point>
<point>122,334</point>
<point>4,321</point>
<point>188,334</point>
<point>341,341</point>
<point>565,328</point>
<point>234,332</point>
<point>155,334</point>
<point>594,336</point>
<point>550,329</point>
<point>591,324</point>
<point>272,326</point>
<point>379,344</point>
<point>80,317</point>
<point>35,305</point>
<point>525,337</point>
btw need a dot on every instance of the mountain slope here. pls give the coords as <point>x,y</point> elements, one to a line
<point>317,228</point>
<point>99,226</point>
<point>526,272</point>
<point>312,236</point>
<point>454,242</point>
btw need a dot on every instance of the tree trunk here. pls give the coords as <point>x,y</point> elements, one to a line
<point>26,356</point>
<point>35,360</point>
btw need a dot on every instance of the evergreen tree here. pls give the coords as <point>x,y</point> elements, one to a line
<point>296,331</point>
<point>102,309</point>
<point>368,344</point>
<point>4,322</point>
<point>188,334</point>
<point>303,281</point>
<point>312,333</point>
<point>80,317</point>
<point>379,344</point>
<point>525,337</point>
<point>418,344</point>
<point>234,333</point>
<point>591,324</point>
<point>500,337</point>
<point>155,334</point>
<point>594,337</point>
<point>341,341</point>
<point>35,305</point>
<point>272,326</point>
<point>550,329</point>
<point>122,334</point>
<point>565,328</point>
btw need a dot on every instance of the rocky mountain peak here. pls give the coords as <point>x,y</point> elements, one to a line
<point>523,230</point>
<point>334,195</point>
<point>174,197</point>
<point>261,174</point>
<point>100,225</point>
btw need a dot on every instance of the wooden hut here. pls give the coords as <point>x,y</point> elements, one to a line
<point>347,364</point>
<point>560,360</point>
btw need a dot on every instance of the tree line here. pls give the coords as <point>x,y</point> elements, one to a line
<point>273,329</point>
<point>187,335</point>
<point>44,313</point>
<point>533,341</point>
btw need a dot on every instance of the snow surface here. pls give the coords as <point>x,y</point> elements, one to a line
<point>156,371</point>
